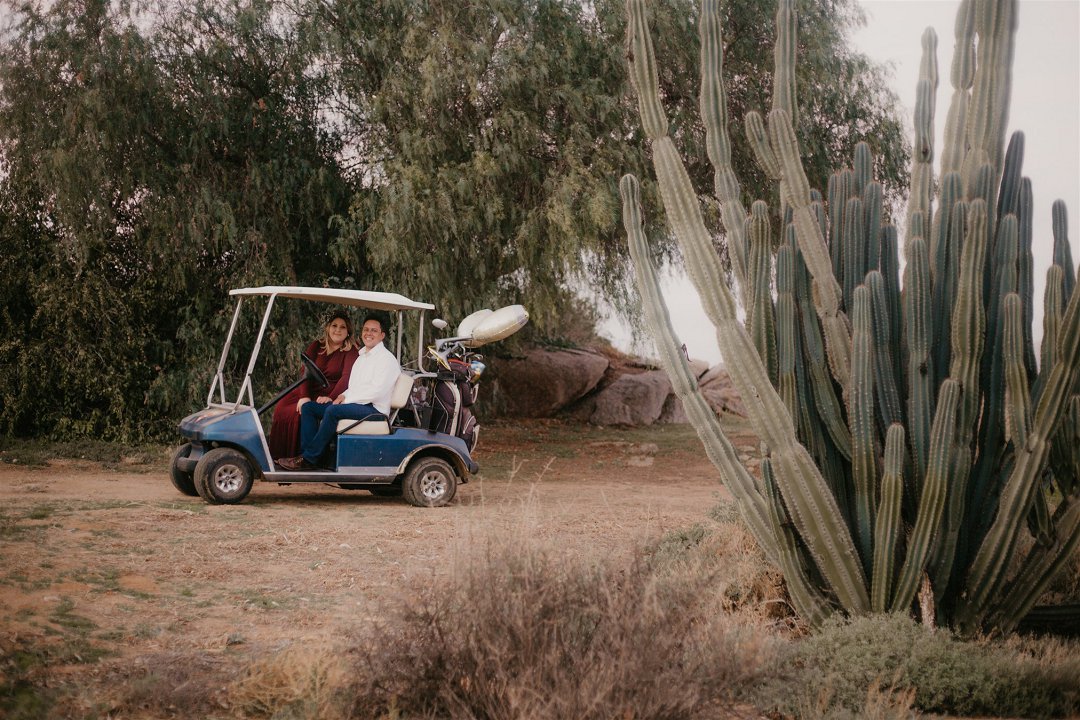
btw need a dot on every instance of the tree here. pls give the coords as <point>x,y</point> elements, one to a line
<point>156,155</point>
<point>491,134</point>
<point>146,173</point>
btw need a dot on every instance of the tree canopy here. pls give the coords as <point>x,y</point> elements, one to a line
<point>154,155</point>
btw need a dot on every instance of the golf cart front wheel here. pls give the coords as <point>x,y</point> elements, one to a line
<point>223,476</point>
<point>429,482</point>
<point>182,480</point>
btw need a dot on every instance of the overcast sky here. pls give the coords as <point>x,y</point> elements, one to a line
<point>1045,105</point>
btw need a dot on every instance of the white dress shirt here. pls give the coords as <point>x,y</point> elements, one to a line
<point>373,377</point>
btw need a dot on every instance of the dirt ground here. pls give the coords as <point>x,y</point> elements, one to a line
<point>104,570</point>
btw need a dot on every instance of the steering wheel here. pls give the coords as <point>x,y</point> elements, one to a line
<point>312,371</point>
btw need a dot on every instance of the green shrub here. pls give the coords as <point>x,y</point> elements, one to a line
<point>847,659</point>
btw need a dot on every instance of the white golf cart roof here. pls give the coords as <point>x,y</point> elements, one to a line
<point>356,298</point>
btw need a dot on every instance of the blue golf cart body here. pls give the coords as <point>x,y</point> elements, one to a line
<point>226,448</point>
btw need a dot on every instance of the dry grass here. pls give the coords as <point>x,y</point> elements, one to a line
<point>524,630</point>
<point>303,683</point>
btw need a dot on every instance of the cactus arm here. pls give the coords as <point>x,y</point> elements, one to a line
<point>1062,249</point>
<point>807,599</point>
<point>825,401</point>
<point>758,137</point>
<point>890,274</point>
<point>872,208</point>
<point>932,498</point>
<point>982,493</point>
<point>888,525</point>
<point>995,23</point>
<point>717,446</point>
<point>784,61</point>
<point>855,265</point>
<point>713,106</point>
<point>838,191</point>
<point>961,77</point>
<point>1053,306</point>
<point>827,291</point>
<point>1045,562</point>
<point>643,73</point>
<point>888,396</point>
<point>1017,395</point>
<point>988,568</point>
<point>786,335</point>
<point>922,156</point>
<point>810,503</point>
<point>944,260</point>
<point>1025,276</point>
<point>761,320</point>
<point>969,325</point>
<point>920,370</point>
<point>861,417</point>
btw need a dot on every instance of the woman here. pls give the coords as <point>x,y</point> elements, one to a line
<point>335,354</point>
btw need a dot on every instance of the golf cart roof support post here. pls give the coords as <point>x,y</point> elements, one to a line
<point>420,344</point>
<point>219,378</point>
<point>398,335</point>
<point>254,356</point>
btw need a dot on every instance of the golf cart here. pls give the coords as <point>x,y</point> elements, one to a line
<point>420,450</point>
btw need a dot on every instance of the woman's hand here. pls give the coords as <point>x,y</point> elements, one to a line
<point>300,404</point>
<point>323,399</point>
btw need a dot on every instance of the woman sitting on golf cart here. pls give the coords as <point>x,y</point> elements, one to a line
<point>334,353</point>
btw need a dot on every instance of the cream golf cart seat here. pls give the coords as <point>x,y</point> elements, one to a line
<point>380,424</point>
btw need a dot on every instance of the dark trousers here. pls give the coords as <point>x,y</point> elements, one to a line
<point>318,424</point>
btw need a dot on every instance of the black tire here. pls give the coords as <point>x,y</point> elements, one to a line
<point>223,476</point>
<point>182,481</point>
<point>387,491</point>
<point>429,482</point>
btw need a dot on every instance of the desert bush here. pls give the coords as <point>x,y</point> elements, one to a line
<point>526,632</point>
<point>177,684</point>
<point>838,670</point>
<point>301,683</point>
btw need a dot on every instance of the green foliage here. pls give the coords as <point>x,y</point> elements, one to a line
<point>977,506</point>
<point>846,658</point>
<point>155,155</point>
<point>147,172</point>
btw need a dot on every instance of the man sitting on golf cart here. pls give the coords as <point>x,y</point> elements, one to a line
<point>371,384</point>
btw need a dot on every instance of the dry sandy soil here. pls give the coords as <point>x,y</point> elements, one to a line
<point>104,572</point>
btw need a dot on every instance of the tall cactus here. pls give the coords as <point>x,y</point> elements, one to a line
<point>882,471</point>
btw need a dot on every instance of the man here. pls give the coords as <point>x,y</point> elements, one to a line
<point>371,384</point>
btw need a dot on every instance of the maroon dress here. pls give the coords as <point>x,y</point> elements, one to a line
<point>284,438</point>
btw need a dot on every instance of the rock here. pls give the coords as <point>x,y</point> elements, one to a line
<point>545,381</point>
<point>632,399</point>
<point>699,368</point>
<point>721,395</point>
<point>673,411</point>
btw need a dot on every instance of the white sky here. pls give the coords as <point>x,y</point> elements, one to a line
<point>1045,105</point>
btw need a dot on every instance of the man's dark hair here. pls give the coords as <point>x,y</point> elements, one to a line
<point>379,318</point>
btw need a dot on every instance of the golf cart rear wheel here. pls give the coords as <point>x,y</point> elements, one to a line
<point>181,480</point>
<point>429,482</point>
<point>223,476</point>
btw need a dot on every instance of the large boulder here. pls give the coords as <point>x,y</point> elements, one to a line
<point>633,399</point>
<point>720,393</point>
<point>543,382</point>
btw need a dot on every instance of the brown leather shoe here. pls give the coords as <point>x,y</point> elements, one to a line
<point>296,463</point>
